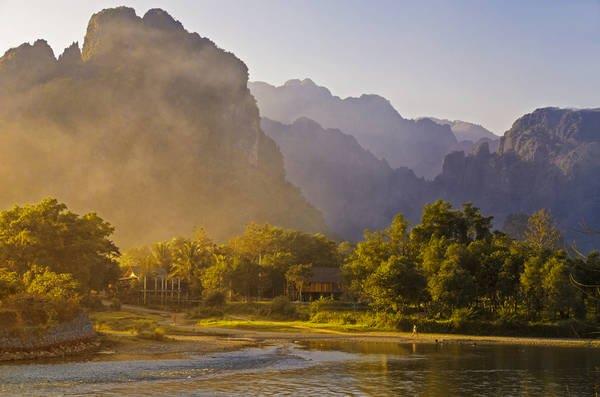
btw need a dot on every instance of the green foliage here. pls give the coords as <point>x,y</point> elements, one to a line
<point>319,305</point>
<point>541,233</point>
<point>452,286</point>
<point>395,284</point>
<point>453,266</point>
<point>115,304</point>
<point>42,282</point>
<point>9,319</point>
<point>214,299</point>
<point>460,317</point>
<point>515,226</point>
<point>298,276</point>
<point>282,307</point>
<point>10,283</point>
<point>48,233</point>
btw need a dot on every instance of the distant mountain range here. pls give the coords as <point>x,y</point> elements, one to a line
<point>548,159</point>
<point>465,131</point>
<point>417,144</point>
<point>159,130</point>
<point>354,189</point>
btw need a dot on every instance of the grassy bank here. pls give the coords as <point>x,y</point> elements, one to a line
<point>235,330</point>
<point>339,317</point>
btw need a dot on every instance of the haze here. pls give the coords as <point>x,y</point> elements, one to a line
<point>485,62</point>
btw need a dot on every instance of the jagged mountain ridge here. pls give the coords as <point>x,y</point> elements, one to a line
<point>353,189</point>
<point>466,131</point>
<point>417,144</point>
<point>549,158</point>
<point>151,125</point>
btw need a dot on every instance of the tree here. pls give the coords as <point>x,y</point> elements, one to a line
<point>40,281</point>
<point>560,296</point>
<point>395,284</point>
<point>190,258</point>
<point>452,286</point>
<point>531,286</point>
<point>440,220</point>
<point>162,257</point>
<point>219,275</point>
<point>10,283</point>
<point>515,225</point>
<point>48,233</point>
<point>298,276</point>
<point>541,233</point>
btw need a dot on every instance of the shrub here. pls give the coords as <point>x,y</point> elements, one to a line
<point>282,307</point>
<point>319,305</point>
<point>214,299</point>
<point>142,326</point>
<point>9,319</point>
<point>10,283</point>
<point>93,302</point>
<point>159,333</point>
<point>460,317</point>
<point>326,317</point>
<point>205,312</point>
<point>41,281</point>
<point>115,304</point>
<point>33,310</point>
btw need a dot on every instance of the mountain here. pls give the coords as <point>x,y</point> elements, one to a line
<point>469,135</point>
<point>151,125</point>
<point>465,131</point>
<point>417,144</point>
<point>549,158</point>
<point>353,189</point>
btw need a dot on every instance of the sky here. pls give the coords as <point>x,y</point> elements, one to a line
<point>487,62</point>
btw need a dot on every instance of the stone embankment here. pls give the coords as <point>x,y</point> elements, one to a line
<point>72,337</point>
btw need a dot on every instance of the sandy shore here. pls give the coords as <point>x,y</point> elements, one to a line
<point>392,337</point>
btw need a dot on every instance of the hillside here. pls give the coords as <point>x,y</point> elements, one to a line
<point>550,159</point>
<point>150,125</point>
<point>352,188</point>
<point>417,144</point>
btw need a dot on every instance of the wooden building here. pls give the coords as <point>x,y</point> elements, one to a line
<point>324,282</point>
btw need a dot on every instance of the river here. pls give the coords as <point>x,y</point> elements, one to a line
<point>322,368</point>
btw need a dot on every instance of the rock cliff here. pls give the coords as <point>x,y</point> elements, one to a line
<point>151,125</point>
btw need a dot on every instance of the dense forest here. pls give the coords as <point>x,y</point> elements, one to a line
<point>451,266</point>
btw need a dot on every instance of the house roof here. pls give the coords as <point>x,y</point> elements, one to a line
<point>326,275</point>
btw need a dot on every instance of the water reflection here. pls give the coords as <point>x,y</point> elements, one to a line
<point>326,368</point>
<point>456,369</point>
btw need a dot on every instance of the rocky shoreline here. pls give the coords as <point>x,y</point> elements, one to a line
<point>59,351</point>
<point>69,338</point>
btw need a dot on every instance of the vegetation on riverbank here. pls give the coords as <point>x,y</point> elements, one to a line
<point>50,261</point>
<point>452,273</point>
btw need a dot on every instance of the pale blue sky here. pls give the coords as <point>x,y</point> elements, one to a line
<point>482,61</point>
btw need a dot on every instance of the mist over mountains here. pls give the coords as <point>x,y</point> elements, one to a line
<point>354,189</point>
<point>158,130</point>
<point>417,144</point>
<point>150,125</point>
<point>550,159</point>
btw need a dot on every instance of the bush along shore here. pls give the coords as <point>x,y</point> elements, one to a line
<point>68,338</point>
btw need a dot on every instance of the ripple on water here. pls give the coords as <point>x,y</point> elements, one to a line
<point>363,370</point>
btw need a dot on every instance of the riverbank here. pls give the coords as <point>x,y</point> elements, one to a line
<point>184,335</point>
<point>299,331</point>
<point>73,337</point>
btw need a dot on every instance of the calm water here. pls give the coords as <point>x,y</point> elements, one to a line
<point>324,368</point>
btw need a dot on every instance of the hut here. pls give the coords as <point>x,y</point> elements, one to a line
<point>323,282</point>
